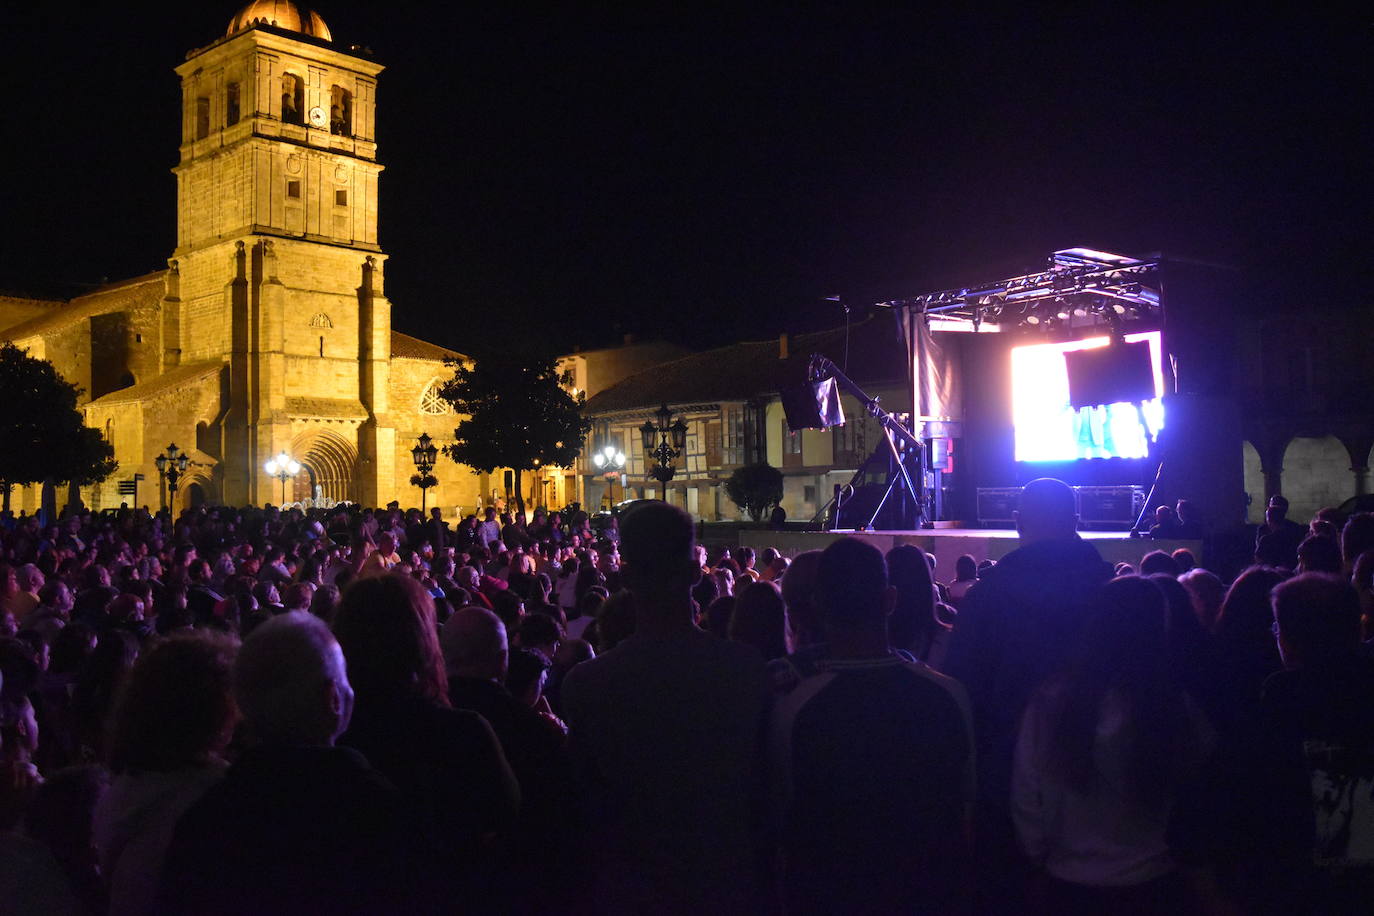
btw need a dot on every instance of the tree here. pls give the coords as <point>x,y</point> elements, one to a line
<point>44,433</point>
<point>517,415</point>
<point>755,488</point>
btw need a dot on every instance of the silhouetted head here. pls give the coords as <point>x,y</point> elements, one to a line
<point>292,683</point>
<point>656,549</point>
<point>1046,510</point>
<point>1317,617</point>
<point>852,586</point>
<point>474,644</point>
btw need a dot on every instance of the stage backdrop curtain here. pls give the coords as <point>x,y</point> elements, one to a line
<point>937,398</point>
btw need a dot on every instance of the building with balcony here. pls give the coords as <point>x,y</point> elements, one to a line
<point>729,399</point>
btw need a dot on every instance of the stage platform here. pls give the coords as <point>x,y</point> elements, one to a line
<point>949,543</point>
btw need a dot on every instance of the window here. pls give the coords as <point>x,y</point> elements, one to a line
<point>431,402</point>
<point>292,99</point>
<point>713,445</point>
<point>293,189</point>
<point>138,338</point>
<point>809,495</point>
<point>341,198</point>
<point>341,112</point>
<point>791,447</point>
<point>231,104</point>
<point>321,346</point>
<point>851,441</point>
<point>732,434</point>
<point>202,118</point>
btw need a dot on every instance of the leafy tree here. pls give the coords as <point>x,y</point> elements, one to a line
<point>755,488</point>
<point>518,415</point>
<point>44,434</point>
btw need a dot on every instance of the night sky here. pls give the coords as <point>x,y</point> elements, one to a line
<point>713,175</point>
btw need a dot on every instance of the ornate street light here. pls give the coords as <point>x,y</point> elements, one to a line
<point>283,467</point>
<point>659,449</point>
<point>171,464</point>
<point>424,454</point>
<point>610,461</point>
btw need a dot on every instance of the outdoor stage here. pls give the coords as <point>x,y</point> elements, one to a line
<point>949,543</point>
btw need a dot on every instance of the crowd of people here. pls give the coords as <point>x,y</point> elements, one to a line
<point>369,711</point>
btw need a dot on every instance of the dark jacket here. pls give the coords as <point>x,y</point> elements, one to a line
<point>298,830</point>
<point>446,761</point>
<point>1016,627</point>
<point>1285,808</point>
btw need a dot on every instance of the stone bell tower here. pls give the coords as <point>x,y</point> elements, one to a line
<point>277,269</point>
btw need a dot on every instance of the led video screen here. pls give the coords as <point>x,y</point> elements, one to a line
<point>1048,428</point>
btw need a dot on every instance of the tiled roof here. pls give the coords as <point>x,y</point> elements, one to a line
<point>115,297</point>
<point>753,369</point>
<point>403,346</point>
<point>167,382</point>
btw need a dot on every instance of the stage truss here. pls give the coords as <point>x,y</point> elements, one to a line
<point>1079,288</point>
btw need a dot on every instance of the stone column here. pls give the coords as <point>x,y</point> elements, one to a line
<point>1358,447</point>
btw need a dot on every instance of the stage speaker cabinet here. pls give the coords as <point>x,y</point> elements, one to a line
<point>1109,506</point>
<point>812,405</point>
<point>997,505</point>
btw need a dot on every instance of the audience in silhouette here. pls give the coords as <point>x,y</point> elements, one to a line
<point>263,711</point>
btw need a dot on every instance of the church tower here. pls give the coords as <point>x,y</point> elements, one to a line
<point>277,269</point>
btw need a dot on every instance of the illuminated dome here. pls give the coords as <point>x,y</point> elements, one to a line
<point>282,14</point>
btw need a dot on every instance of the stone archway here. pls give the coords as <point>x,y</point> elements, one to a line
<point>303,485</point>
<point>192,492</point>
<point>1316,473</point>
<point>328,460</point>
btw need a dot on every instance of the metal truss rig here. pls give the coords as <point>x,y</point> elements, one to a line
<point>1079,287</point>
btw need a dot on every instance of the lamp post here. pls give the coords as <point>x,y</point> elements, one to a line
<point>282,467</point>
<point>424,454</point>
<point>659,449</point>
<point>171,464</point>
<point>610,461</point>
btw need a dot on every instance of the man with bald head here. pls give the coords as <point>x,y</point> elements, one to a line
<point>1015,628</point>
<point>476,654</point>
<point>297,825</point>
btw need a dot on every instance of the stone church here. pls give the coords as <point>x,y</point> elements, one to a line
<point>269,330</point>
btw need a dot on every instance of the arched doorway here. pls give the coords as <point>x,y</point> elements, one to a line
<point>328,461</point>
<point>192,492</point>
<point>1316,473</point>
<point>303,484</point>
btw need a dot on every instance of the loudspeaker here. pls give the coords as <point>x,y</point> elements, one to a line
<point>1203,453</point>
<point>1115,374</point>
<point>812,405</point>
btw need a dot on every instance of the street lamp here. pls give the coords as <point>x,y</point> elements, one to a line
<point>424,454</point>
<point>282,467</point>
<point>171,464</point>
<point>658,448</point>
<point>610,461</point>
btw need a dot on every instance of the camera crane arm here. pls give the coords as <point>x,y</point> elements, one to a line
<point>822,368</point>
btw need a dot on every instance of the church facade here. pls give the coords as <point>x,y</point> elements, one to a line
<point>270,329</point>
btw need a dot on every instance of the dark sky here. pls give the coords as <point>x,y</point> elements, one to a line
<point>714,175</point>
